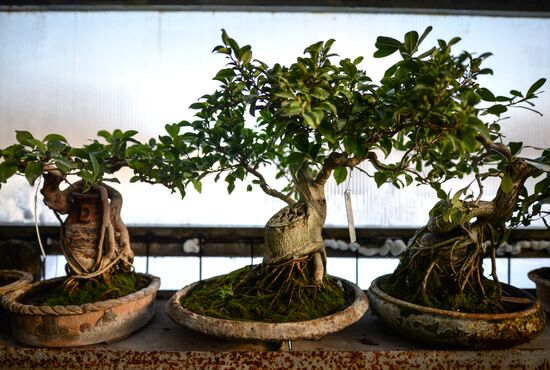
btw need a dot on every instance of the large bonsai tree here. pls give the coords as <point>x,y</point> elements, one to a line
<point>319,118</point>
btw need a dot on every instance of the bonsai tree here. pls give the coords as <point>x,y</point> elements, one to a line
<point>442,266</point>
<point>317,118</point>
<point>95,252</point>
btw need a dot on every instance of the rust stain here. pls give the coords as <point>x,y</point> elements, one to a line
<point>81,358</point>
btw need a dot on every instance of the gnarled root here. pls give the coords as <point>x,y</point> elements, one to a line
<point>445,271</point>
<point>113,251</point>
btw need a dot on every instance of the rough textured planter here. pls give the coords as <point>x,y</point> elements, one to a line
<point>459,329</point>
<point>543,286</point>
<point>68,326</point>
<point>264,331</point>
<point>20,279</point>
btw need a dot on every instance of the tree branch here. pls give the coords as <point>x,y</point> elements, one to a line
<point>333,161</point>
<point>267,189</point>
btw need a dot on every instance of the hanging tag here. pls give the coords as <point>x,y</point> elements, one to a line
<point>349,214</point>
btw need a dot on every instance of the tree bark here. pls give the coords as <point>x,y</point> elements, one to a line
<point>296,230</point>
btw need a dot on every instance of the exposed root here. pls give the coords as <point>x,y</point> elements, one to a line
<point>282,292</point>
<point>445,271</point>
<point>113,252</point>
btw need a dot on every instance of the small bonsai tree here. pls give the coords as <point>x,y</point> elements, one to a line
<point>54,160</point>
<point>443,265</point>
<point>319,118</point>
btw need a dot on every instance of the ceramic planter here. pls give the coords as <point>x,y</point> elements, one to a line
<point>458,329</point>
<point>265,331</point>
<point>68,326</point>
<point>14,279</point>
<point>543,286</point>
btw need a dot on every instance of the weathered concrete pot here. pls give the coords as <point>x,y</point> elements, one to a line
<point>538,276</point>
<point>265,331</point>
<point>460,329</point>
<point>69,326</point>
<point>13,280</point>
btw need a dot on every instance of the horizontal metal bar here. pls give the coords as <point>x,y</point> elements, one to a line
<point>506,8</point>
<point>237,241</point>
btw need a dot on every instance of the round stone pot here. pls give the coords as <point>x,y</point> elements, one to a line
<point>459,329</point>
<point>13,280</point>
<point>538,276</point>
<point>265,331</point>
<point>70,326</point>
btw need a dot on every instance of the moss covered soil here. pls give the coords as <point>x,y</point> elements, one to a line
<point>92,290</point>
<point>266,294</point>
<point>443,296</point>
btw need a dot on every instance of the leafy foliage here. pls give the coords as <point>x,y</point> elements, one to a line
<point>323,114</point>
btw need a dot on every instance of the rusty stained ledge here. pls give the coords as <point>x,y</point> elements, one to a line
<point>163,344</point>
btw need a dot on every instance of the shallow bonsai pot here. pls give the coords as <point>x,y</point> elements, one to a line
<point>460,329</point>
<point>538,276</point>
<point>13,280</point>
<point>78,325</point>
<point>266,331</point>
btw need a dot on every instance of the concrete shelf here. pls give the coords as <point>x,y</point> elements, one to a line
<point>367,344</point>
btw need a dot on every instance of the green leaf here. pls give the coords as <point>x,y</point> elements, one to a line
<point>197,184</point>
<point>172,129</point>
<point>534,87</point>
<point>52,137</point>
<point>424,34</point>
<point>95,166</point>
<point>223,75</point>
<point>516,93</point>
<point>33,171</point>
<point>301,143</point>
<point>497,109</point>
<point>7,170</point>
<point>386,46</point>
<point>23,137</point>
<point>63,164</point>
<point>486,94</point>
<point>515,147</point>
<point>380,178</point>
<point>506,183</point>
<point>294,158</point>
<point>411,40</point>
<point>246,56</point>
<point>340,174</point>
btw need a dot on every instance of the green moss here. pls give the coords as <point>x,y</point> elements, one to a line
<point>268,294</point>
<point>119,285</point>
<point>444,295</point>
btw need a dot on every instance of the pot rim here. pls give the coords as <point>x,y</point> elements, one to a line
<point>10,303</point>
<point>534,305</point>
<point>23,278</point>
<point>267,331</point>
<point>534,275</point>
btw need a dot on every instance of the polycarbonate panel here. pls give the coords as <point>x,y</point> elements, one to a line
<point>78,72</point>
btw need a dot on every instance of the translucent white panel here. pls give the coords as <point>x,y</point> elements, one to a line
<point>174,272</point>
<point>343,267</point>
<point>501,266</point>
<point>521,266</point>
<point>78,72</point>
<point>55,266</point>
<point>214,266</point>
<point>371,268</point>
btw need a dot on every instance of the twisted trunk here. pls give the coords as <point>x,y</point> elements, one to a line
<point>94,239</point>
<point>295,231</point>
